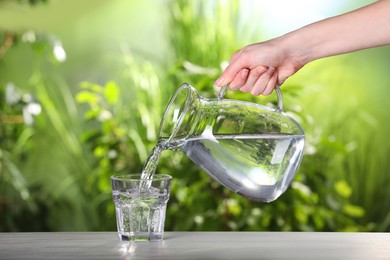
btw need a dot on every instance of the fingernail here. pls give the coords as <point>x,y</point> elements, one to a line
<point>255,92</point>
<point>244,73</point>
<point>261,70</point>
<point>219,82</point>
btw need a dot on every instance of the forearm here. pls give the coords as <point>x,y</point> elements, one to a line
<point>260,67</point>
<point>360,29</point>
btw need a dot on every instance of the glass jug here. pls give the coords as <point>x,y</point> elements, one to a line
<point>253,150</point>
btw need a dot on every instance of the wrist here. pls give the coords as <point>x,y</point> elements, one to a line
<point>297,48</point>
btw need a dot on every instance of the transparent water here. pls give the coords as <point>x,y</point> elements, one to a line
<point>259,167</point>
<point>140,213</point>
<point>151,163</point>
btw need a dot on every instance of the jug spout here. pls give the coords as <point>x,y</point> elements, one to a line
<point>180,116</point>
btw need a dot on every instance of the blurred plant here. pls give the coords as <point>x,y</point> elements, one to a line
<point>359,158</point>
<point>37,141</point>
<point>7,39</point>
<point>124,122</point>
<point>17,115</point>
<point>17,112</point>
<point>46,46</point>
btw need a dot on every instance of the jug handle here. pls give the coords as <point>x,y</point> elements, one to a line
<point>223,90</point>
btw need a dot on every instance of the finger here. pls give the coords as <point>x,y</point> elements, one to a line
<point>235,55</point>
<point>262,82</point>
<point>239,80</point>
<point>253,76</point>
<point>230,73</point>
<point>271,84</point>
<point>286,72</point>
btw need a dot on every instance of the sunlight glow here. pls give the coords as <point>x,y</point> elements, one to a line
<point>59,52</point>
<point>278,17</point>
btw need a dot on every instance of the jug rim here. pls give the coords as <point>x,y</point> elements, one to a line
<point>181,116</point>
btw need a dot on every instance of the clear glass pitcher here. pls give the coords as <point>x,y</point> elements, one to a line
<point>253,150</point>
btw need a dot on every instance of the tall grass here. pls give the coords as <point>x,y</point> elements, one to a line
<point>368,170</point>
<point>202,35</point>
<point>350,128</point>
<point>58,166</point>
<point>366,166</point>
<point>48,155</point>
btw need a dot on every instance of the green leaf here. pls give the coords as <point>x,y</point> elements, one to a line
<point>111,92</point>
<point>99,151</point>
<point>353,210</point>
<point>87,97</point>
<point>301,214</point>
<point>343,189</point>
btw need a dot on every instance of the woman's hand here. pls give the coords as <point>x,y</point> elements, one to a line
<point>258,68</point>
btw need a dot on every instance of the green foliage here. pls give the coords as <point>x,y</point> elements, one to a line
<point>56,167</point>
<point>124,122</point>
<point>15,134</point>
<point>41,158</point>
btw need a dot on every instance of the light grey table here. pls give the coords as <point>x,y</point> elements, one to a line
<point>197,245</point>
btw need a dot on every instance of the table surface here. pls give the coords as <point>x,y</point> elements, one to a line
<point>197,245</point>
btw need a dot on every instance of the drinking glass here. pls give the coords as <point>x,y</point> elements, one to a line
<point>140,205</point>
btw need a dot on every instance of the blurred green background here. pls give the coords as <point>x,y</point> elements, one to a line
<point>83,85</point>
